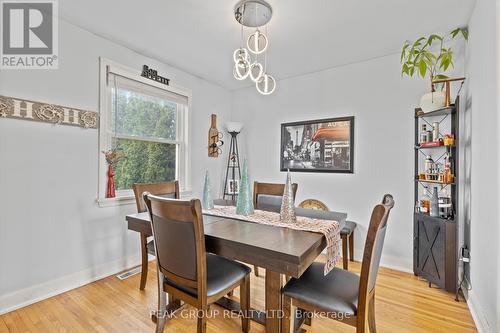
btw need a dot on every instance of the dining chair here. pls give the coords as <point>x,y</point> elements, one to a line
<point>347,232</point>
<point>185,271</point>
<point>168,190</point>
<point>268,196</point>
<point>342,295</point>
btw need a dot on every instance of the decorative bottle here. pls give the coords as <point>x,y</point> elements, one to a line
<point>424,203</point>
<point>434,204</point>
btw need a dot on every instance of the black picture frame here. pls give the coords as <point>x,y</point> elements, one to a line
<point>308,158</point>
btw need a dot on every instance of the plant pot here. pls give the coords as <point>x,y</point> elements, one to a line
<point>433,101</point>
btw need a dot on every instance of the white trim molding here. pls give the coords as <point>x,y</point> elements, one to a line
<point>36,293</point>
<point>183,167</point>
<point>482,324</point>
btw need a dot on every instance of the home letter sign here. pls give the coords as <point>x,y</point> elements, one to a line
<point>50,113</point>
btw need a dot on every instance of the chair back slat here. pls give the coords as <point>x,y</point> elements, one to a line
<point>179,239</point>
<point>373,247</point>
<point>268,196</point>
<point>167,190</point>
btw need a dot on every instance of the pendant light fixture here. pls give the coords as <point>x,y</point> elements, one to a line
<point>253,14</point>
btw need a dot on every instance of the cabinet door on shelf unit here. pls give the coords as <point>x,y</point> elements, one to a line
<point>430,249</point>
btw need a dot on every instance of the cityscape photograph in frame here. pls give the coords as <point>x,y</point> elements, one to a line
<point>325,145</point>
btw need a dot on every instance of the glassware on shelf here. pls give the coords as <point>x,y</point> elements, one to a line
<point>434,203</point>
<point>424,203</point>
<point>435,131</point>
<point>449,139</point>
<point>429,164</point>
<point>445,207</point>
<point>423,134</point>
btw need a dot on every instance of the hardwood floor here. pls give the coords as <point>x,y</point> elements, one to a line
<point>403,304</point>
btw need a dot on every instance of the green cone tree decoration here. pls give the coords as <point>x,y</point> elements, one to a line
<point>244,204</point>
<point>207,201</point>
<point>287,212</point>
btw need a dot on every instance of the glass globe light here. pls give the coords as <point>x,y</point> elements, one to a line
<point>256,71</point>
<point>266,85</point>
<point>241,53</point>
<point>257,42</point>
<point>241,70</point>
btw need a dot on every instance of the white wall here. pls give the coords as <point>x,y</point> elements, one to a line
<point>482,62</point>
<point>52,233</point>
<point>383,105</point>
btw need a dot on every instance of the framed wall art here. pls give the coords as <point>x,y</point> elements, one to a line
<point>324,145</point>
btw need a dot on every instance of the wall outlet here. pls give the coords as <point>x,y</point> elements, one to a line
<point>464,254</point>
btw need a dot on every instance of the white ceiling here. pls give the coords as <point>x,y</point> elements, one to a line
<point>199,36</point>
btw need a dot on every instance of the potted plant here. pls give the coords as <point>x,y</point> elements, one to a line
<point>423,58</point>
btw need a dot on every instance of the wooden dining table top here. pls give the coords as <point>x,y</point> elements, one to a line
<point>283,250</point>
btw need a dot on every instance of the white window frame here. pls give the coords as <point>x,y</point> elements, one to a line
<point>183,165</point>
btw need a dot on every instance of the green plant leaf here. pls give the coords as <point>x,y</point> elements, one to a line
<point>432,38</point>
<point>440,77</point>
<point>404,69</point>
<point>422,67</point>
<point>403,52</point>
<point>465,33</point>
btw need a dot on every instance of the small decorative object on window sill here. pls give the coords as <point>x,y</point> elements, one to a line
<point>207,202</point>
<point>214,138</point>
<point>244,204</point>
<point>112,156</point>
<point>287,212</point>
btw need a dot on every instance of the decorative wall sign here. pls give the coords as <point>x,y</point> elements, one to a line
<point>17,108</point>
<point>152,74</point>
<point>325,145</point>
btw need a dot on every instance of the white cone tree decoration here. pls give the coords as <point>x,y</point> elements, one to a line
<point>244,204</point>
<point>207,201</point>
<point>287,212</point>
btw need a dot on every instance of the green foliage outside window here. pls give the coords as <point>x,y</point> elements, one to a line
<point>144,161</point>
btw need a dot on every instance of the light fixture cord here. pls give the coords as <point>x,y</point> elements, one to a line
<point>265,54</point>
<point>241,41</point>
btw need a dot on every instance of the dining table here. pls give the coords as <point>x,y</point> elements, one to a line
<point>280,251</point>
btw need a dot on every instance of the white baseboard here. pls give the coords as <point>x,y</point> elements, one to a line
<point>477,313</point>
<point>33,294</point>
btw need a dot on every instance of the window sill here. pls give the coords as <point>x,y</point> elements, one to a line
<point>118,201</point>
<point>130,199</point>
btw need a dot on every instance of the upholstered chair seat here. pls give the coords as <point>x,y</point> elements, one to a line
<point>336,292</point>
<point>342,295</point>
<point>222,273</point>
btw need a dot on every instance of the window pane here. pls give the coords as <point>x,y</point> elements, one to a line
<point>143,115</point>
<point>144,162</point>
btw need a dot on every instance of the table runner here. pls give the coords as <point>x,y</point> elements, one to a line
<point>329,228</point>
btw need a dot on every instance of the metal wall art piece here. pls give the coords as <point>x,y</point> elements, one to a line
<point>17,108</point>
<point>152,74</point>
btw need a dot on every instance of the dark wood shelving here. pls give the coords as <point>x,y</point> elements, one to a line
<point>436,218</point>
<point>433,182</point>
<point>435,239</point>
<point>435,147</point>
<point>440,112</point>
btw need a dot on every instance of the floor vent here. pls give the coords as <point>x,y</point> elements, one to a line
<point>129,273</point>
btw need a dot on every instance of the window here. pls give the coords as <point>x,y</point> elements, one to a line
<point>145,122</point>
